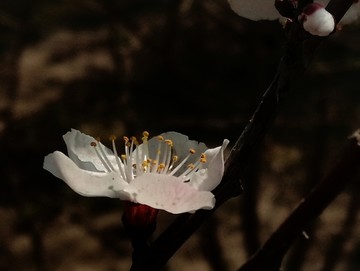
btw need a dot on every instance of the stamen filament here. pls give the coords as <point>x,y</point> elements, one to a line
<point>181,164</point>
<point>167,156</point>
<point>94,145</point>
<point>105,156</point>
<point>145,149</point>
<point>112,138</point>
<point>191,168</point>
<point>158,152</point>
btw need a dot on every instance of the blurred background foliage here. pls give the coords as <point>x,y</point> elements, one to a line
<point>193,66</point>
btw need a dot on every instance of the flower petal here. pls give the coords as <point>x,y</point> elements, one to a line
<point>181,146</point>
<point>208,180</point>
<point>85,183</point>
<point>82,153</point>
<point>169,193</point>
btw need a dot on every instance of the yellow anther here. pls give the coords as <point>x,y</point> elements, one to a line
<point>93,144</point>
<point>134,140</point>
<point>145,164</point>
<point>123,156</point>
<point>145,134</point>
<point>191,166</point>
<point>160,138</point>
<point>192,151</point>
<point>169,142</point>
<point>175,158</point>
<point>112,137</point>
<point>153,162</point>
<point>203,160</point>
<point>161,166</point>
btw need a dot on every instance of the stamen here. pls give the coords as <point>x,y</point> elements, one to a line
<point>161,166</point>
<point>145,134</point>
<point>191,168</point>
<point>105,155</point>
<point>138,168</point>
<point>153,165</point>
<point>203,158</point>
<point>129,165</point>
<point>158,152</point>
<point>194,167</point>
<point>174,159</point>
<point>169,142</point>
<point>94,145</point>
<point>167,156</point>
<point>145,146</point>
<point>113,138</point>
<point>191,151</point>
<point>145,165</point>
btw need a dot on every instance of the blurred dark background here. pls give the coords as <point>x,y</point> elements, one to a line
<point>193,66</point>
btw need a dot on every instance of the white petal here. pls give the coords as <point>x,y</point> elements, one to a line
<point>82,153</point>
<point>255,9</point>
<point>169,193</point>
<point>181,146</point>
<point>85,183</point>
<point>214,171</point>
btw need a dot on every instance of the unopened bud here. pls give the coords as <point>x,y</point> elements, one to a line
<point>317,20</point>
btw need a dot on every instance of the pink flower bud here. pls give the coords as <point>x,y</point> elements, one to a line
<point>317,20</point>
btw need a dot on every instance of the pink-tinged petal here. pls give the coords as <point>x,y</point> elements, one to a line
<point>169,193</point>
<point>182,144</point>
<point>82,153</point>
<point>215,169</point>
<point>83,182</point>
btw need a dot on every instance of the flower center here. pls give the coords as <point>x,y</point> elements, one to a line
<point>137,160</point>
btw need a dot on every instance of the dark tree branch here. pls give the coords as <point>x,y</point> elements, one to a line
<point>270,256</point>
<point>298,53</point>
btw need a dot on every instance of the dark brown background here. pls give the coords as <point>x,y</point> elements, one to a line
<point>105,66</point>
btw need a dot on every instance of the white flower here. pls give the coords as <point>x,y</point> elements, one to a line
<point>168,172</point>
<point>265,10</point>
<point>317,20</point>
